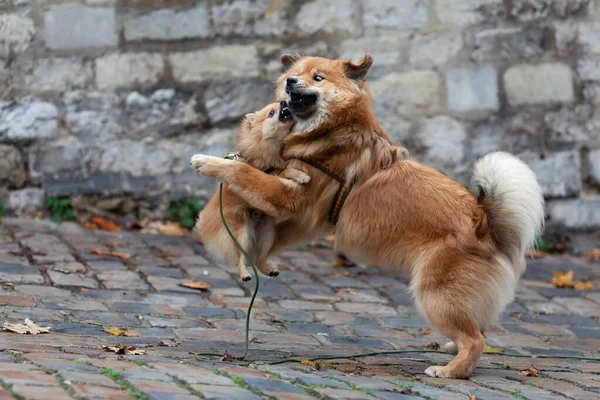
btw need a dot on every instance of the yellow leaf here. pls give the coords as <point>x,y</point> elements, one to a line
<point>105,224</point>
<point>316,364</point>
<point>581,286</point>
<point>119,349</point>
<point>493,349</point>
<point>195,285</point>
<point>594,255</point>
<point>120,332</point>
<point>173,229</point>
<point>533,371</point>
<point>563,280</point>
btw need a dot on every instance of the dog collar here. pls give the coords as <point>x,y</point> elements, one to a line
<point>343,190</point>
<point>239,156</point>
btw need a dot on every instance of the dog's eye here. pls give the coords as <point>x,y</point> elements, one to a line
<point>271,113</point>
<point>318,78</point>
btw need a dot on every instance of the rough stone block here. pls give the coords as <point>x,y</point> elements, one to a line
<point>384,49</point>
<point>507,44</point>
<point>245,17</point>
<point>594,162</point>
<point>588,68</point>
<point>472,89</point>
<point>16,33</point>
<point>233,100</point>
<point>80,28</point>
<point>216,63</point>
<point>128,69</point>
<point>11,167</point>
<point>543,83</point>
<point>443,138</point>
<point>559,174</point>
<point>463,13</point>
<point>588,37</point>
<point>26,200</point>
<point>571,127</point>
<point>61,74</point>
<point>576,213</point>
<point>327,16</point>
<point>400,97</point>
<point>407,14</point>
<point>169,25</point>
<point>434,49</point>
<point>30,119</point>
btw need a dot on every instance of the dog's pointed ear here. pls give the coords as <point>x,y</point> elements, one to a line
<point>358,70</point>
<point>250,117</point>
<point>287,60</point>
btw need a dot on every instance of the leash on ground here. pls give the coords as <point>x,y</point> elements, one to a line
<point>228,357</point>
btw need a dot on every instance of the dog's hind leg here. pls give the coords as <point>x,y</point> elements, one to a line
<point>453,306</point>
<point>265,236</point>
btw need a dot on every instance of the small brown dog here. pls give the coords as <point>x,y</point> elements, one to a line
<point>259,142</point>
<point>464,253</point>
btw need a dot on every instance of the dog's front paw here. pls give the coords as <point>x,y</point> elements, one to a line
<point>206,165</point>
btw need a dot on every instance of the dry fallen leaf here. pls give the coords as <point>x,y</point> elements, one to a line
<point>113,245</point>
<point>169,343</point>
<point>195,285</point>
<point>563,280</point>
<point>127,350</point>
<point>120,332</point>
<point>257,340</point>
<point>106,253</point>
<point>84,289</point>
<point>433,346</point>
<point>493,349</point>
<point>472,397</point>
<point>534,372</point>
<point>581,286</point>
<point>172,229</point>
<point>594,255</point>
<point>317,365</point>
<point>341,260</point>
<point>535,254</point>
<point>28,327</point>
<point>105,224</point>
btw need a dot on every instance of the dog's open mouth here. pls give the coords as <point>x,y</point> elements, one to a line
<point>285,115</point>
<point>302,103</point>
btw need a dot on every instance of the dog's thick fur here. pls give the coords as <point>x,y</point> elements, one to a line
<point>259,141</point>
<point>464,254</point>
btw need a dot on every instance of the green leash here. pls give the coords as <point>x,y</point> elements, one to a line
<point>334,357</point>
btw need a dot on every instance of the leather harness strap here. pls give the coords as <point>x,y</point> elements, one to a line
<point>342,192</point>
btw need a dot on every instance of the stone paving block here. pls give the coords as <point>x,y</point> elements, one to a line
<point>19,273</point>
<point>211,392</point>
<point>19,301</point>
<point>62,279</point>
<point>100,392</point>
<point>35,393</point>
<point>107,318</point>
<point>74,304</point>
<point>394,395</point>
<point>305,305</point>
<point>88,378</point>
<point>122,280</point>
<point>29,378</point>
<point>343,394</point>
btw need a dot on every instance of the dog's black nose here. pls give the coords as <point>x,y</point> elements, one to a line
<point>291,81</point>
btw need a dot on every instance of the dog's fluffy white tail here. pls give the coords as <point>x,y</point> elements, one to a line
<point>513,201</point>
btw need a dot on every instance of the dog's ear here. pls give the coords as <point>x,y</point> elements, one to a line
<point>250,117</point>
<point>358,71</point>
<point>287,60</point>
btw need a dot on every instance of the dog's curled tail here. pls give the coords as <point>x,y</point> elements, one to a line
<point>511,196</point>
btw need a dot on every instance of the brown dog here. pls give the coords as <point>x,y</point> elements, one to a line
<point>464,254</point>
<point>259,141</point>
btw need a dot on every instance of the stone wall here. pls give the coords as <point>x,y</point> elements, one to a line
<point>111,97</point>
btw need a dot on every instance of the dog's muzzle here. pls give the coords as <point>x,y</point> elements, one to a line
<point>302,103</point>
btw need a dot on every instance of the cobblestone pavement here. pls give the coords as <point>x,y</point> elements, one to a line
<point>49,274</point>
